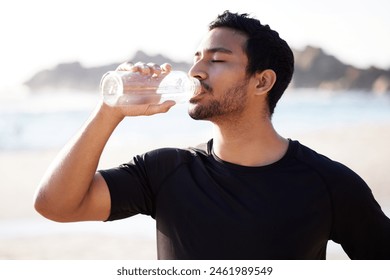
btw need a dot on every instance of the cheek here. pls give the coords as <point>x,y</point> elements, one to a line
<point>220,79</point>
<point>224,82</point>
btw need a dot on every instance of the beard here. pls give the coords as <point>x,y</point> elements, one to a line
<point>231,104</point>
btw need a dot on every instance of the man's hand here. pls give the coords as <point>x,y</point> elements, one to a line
<point>152,70</point>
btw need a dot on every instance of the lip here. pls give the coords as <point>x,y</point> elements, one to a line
<point>200,92</point>
<point>197,96</point>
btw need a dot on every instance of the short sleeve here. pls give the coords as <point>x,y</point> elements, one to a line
<point>129,189</point>
<point>360,225</point>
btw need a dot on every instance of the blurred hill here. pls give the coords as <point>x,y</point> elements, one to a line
<point>316,69</point>
<point>313,69</point>
<point>76,76</point>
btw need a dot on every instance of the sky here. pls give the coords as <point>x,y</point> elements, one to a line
<point>39,34</point>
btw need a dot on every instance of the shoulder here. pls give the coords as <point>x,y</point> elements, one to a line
<point>170,156</point>
<point>320,162</point>
<point>337,176</point>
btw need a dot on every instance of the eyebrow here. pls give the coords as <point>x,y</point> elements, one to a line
<point>216,50</point>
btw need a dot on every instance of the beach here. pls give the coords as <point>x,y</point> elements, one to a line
<point>25,235</point>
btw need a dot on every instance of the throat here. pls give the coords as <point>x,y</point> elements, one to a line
<point>251,151</point>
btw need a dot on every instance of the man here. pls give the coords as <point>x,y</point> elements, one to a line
<point>248,193</point>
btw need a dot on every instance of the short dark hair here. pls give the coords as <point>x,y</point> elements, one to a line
<point>264,49</point>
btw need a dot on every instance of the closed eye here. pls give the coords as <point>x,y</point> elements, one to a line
<point>217,60</point>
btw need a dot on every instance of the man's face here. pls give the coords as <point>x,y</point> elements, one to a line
<point>220,65</point>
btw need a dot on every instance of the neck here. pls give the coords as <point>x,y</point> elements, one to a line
<point>249,144</point>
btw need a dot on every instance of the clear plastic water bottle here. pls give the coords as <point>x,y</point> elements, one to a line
<point>121,88</point>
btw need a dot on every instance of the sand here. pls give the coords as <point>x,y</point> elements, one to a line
<point>26,235</point>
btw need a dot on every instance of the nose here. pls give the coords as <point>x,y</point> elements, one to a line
<point>197,71</point>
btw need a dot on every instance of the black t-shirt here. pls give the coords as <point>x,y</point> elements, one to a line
<point>206,208</point>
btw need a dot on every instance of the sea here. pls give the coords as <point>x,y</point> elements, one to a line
<point>45,121</point>
<point>38,121</point>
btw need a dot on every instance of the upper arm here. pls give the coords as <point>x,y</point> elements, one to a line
<point>96,204</point>
<point>360,225</point>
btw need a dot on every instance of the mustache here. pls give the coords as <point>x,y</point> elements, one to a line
<point>206,86</point>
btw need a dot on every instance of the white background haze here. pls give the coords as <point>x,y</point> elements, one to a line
<point>37,35</point>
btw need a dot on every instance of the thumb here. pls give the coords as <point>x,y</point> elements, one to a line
<point>164,107</point>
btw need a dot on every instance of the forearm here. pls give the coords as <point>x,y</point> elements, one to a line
<point>67,181</point>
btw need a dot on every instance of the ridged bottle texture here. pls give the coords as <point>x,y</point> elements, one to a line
<point>121,88</point>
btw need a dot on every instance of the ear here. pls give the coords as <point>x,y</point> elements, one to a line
<point>265,80</point>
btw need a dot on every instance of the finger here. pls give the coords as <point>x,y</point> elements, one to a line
<point>154,68</point>
<point>143,68</point>
<point>164,107</point>
<point>125,66</point>
<point>166,68</point>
